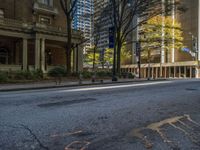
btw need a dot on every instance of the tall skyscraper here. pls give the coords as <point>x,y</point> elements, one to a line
<point>83,20</point>
<point>103,21</point>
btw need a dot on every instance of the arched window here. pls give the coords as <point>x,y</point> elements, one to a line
<point>3,56</point>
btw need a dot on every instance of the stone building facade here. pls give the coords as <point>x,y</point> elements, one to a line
<point>33,35</point>
<point>83,21</point>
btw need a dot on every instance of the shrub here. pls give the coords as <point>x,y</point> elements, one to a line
<point>57,72</point>
<point>131,75</point>
<point>3,77</point>
<point>37,74</point>
<point>124,74</point>
<point>74,74</point>
<point>28,75</point>
<point>127,75</point>
<point>21,75</point>
<point>86,74</point>
<point>104,74</point>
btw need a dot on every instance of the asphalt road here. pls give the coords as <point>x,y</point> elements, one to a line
<point>163,115</point>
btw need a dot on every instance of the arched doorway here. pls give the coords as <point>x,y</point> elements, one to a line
<point>3,56</point>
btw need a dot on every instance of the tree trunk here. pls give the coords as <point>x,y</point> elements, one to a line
<point>114,60</point>
<point>68,60</point>
<point>119,46</point>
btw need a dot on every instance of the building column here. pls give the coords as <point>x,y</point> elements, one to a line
<point>197,72</point>
<point>37,53</point>
<point>145,73</point>
<point>78,58</point>
<point>156,73</point>
<point>152,72</point>
<point>185,72</point>
<point>169,72</point>
<point>165,72</point>
<point>174,71</point>
<point>43,55</point>
<point>190,71</point>
<point>179,72</point>
<point>25,54</point>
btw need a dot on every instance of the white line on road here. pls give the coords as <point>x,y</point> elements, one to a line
<point>54,91</point>
<point>113,87</point>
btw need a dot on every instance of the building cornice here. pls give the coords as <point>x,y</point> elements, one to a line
<point>36,28</point>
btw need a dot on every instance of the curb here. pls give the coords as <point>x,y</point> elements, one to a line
<point>77,85</point>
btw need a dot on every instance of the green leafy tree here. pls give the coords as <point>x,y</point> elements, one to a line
<point>68,6</point>
<point>106,59</point>
<point>125,55</point>
<point>152,36</point>
<point>92,58</point>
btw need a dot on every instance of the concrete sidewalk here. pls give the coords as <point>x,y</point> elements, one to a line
<point>52,84</point>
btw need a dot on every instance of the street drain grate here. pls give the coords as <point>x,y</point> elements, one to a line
<point>62,103</point>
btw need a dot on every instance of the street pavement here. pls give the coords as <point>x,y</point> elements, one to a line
<point>157,115</point>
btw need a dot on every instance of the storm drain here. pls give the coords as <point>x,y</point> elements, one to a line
<point>67,102</point>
